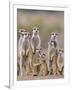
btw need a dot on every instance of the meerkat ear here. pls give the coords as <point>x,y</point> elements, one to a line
<point>38,26</point>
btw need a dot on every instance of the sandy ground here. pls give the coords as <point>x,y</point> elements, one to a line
<point>40,77</point>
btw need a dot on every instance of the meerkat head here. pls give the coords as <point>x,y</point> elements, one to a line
<point>42,54</point>
<point>61,52</point>
<point>52,44</point>
<point>22,32</point>
<point>26,35</point>
<point>35,30</point>
<point>53,35</point>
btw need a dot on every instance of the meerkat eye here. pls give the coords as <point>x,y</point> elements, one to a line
<point>22,34</point>
<point>62,51</point>
<point>52,33</point>
<point>44,54</point>
<point>34,29</point>
<point>59,50</point>
<point>37,28</point>
<point>25,33</point>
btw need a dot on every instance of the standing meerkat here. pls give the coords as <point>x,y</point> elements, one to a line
<point>21,34</point>
<point>35,39</point>
<point>52,51</point>
<point>60,62</point>
<point>26,43</point>
<point>53,46</point>
<point>19,51</point>
<point>23,51</point>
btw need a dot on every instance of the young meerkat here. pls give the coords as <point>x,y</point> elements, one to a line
<point>43,69</point>
<point>60,62</point>
<point>35,39</point>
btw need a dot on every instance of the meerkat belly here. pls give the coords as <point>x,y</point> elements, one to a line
<point>60,63</point>
<point>52,53</point>
<point>25,45</point>
<point>19,46</point>
<point>35,41</point>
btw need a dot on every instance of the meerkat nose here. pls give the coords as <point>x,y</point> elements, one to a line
<point>36,30</point>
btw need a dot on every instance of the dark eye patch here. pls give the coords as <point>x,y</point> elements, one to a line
<point>25,33</point>
<point>52,34</point>
<point>34,29</point>
<point>59,50</point>
<point>22,34</point>
<point>37,28</point>
<point>62,51</point>
<point>44,54</point>
<point>22,31</point>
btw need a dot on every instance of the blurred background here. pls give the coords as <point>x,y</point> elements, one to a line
<point>47,21</point>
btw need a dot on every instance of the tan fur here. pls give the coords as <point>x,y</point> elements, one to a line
<point>43,69</point>
<point>54,65</point>
<point>60,64</point>
<point>21,59</point>
<point>43,66</point>
<point>52,60</point>
<point>30,62</point>
<point>22,62</point>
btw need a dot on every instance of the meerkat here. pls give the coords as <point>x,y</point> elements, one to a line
<point>52,51</point>
<point>43,69</point>
<point>35,39</point>
<point>25,43</point>
<point>23,51</point>
<point>60,62</point>
<point>19,52</point>
<point>21,34</point>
